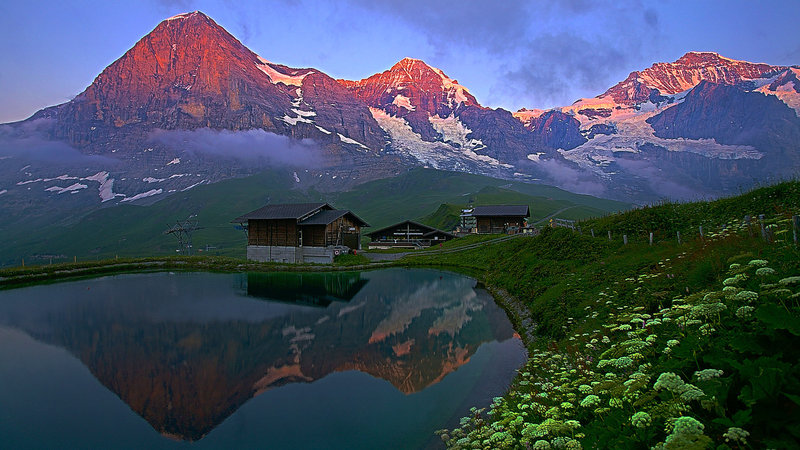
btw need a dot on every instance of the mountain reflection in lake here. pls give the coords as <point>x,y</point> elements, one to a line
<point>187,351</point>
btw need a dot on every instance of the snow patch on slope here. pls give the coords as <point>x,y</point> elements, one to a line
<point>457,90</point>
<point>149,193</point>
<point>436,154</point>
<point>535,156</point>
<point>598,154</point>
<point>277,77</point>
<point>347,140</point>
<point>403,102</point>
<point>73,188</point>
<point>105,190</point>
<point>295,120</point>
<point>192,186</point>
<point>785,92</point>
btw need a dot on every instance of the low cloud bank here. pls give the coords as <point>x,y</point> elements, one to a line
<point>252,146</point>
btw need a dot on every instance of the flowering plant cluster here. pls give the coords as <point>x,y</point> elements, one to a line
<point>680,373</point>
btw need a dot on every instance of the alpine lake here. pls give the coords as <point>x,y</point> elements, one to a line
<point>377,359</point>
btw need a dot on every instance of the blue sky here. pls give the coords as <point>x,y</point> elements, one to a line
<point>509,53</point>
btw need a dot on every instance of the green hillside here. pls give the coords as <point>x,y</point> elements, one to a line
<point>420,192</point>
<point>675,345</point>
<point>132,230</point>
<point>446,217</point>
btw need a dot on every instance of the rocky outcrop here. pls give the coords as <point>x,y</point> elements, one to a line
<point>554,129</point>
<point>729,115</point>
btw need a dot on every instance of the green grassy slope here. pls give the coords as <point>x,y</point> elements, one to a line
<point>132,230</point>
<point>691,345</point>
<point>446,217</point>
<point>422,191</point>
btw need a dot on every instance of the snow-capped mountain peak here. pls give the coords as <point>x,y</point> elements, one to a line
<point>412,85</point>
<point>687,72</point>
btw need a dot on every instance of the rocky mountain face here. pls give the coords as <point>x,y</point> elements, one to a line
<point>702,125</point>
<point>190,105</point>
<point>662,79</point>
<point>414,91</point>
<point>190,73</point>
<point>435,121</point>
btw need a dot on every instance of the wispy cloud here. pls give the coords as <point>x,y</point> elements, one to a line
<point>252,146</point>
<point>29,142</point>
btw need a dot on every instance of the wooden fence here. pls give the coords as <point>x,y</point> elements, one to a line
<point>770,232</point>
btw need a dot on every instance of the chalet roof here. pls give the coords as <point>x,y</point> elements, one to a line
<point>283,211</point>
<point>327,216</point>
<point>501,210</point>
<point>440,232</point>
<point>425,228</point>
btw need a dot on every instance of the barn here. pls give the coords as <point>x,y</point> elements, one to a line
<point>407,234</point>
<point>300,232</point>
<point>492,219</point>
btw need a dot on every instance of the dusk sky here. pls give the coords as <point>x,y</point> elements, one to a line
<point>509,54</point>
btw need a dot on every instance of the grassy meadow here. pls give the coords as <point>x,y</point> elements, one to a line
<point>690,345</point>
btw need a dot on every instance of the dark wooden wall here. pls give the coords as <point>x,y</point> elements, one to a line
<point>285,232</point>
<point>340,228</point>
<point>282,232</point>
<point>314,235</point>
<point>496,224</point>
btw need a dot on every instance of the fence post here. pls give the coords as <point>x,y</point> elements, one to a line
<point>763,230</point>
<point>609,235</point>
<point>679,237</point>
<point>747,219</point>
<point>579,230</point>
<point>795,226</point>
<point>592,232</point>
<point>625,239</point>
<point>701,232</point>
<point>651,238</point>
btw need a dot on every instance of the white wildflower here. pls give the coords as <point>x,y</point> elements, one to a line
<point>764,271</point>
<point>641,420</point>
<point>744,312</point>
<point>707,374</point>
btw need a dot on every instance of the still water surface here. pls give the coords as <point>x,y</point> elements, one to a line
<point>168,360</point>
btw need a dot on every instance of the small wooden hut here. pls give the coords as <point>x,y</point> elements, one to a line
<point>493,219</point>
<point>408,234</point>
<point>300,232</point>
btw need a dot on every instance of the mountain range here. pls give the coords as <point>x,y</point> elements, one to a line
<point>189,104</point>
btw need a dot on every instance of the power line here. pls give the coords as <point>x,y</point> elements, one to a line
<point>182,230</point>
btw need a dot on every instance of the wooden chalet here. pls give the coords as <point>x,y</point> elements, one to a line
<point>300,232</point>
<point>494,219</point>
<point>408,234</point>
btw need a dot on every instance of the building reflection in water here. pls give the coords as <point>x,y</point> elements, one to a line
<point>186,351</point>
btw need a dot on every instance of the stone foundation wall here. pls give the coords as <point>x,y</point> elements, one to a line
<point>292,255</point>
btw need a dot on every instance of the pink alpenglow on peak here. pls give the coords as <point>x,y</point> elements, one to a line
<point>423,88</point>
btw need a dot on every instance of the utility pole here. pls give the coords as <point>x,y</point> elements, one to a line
<point>182,230</point>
